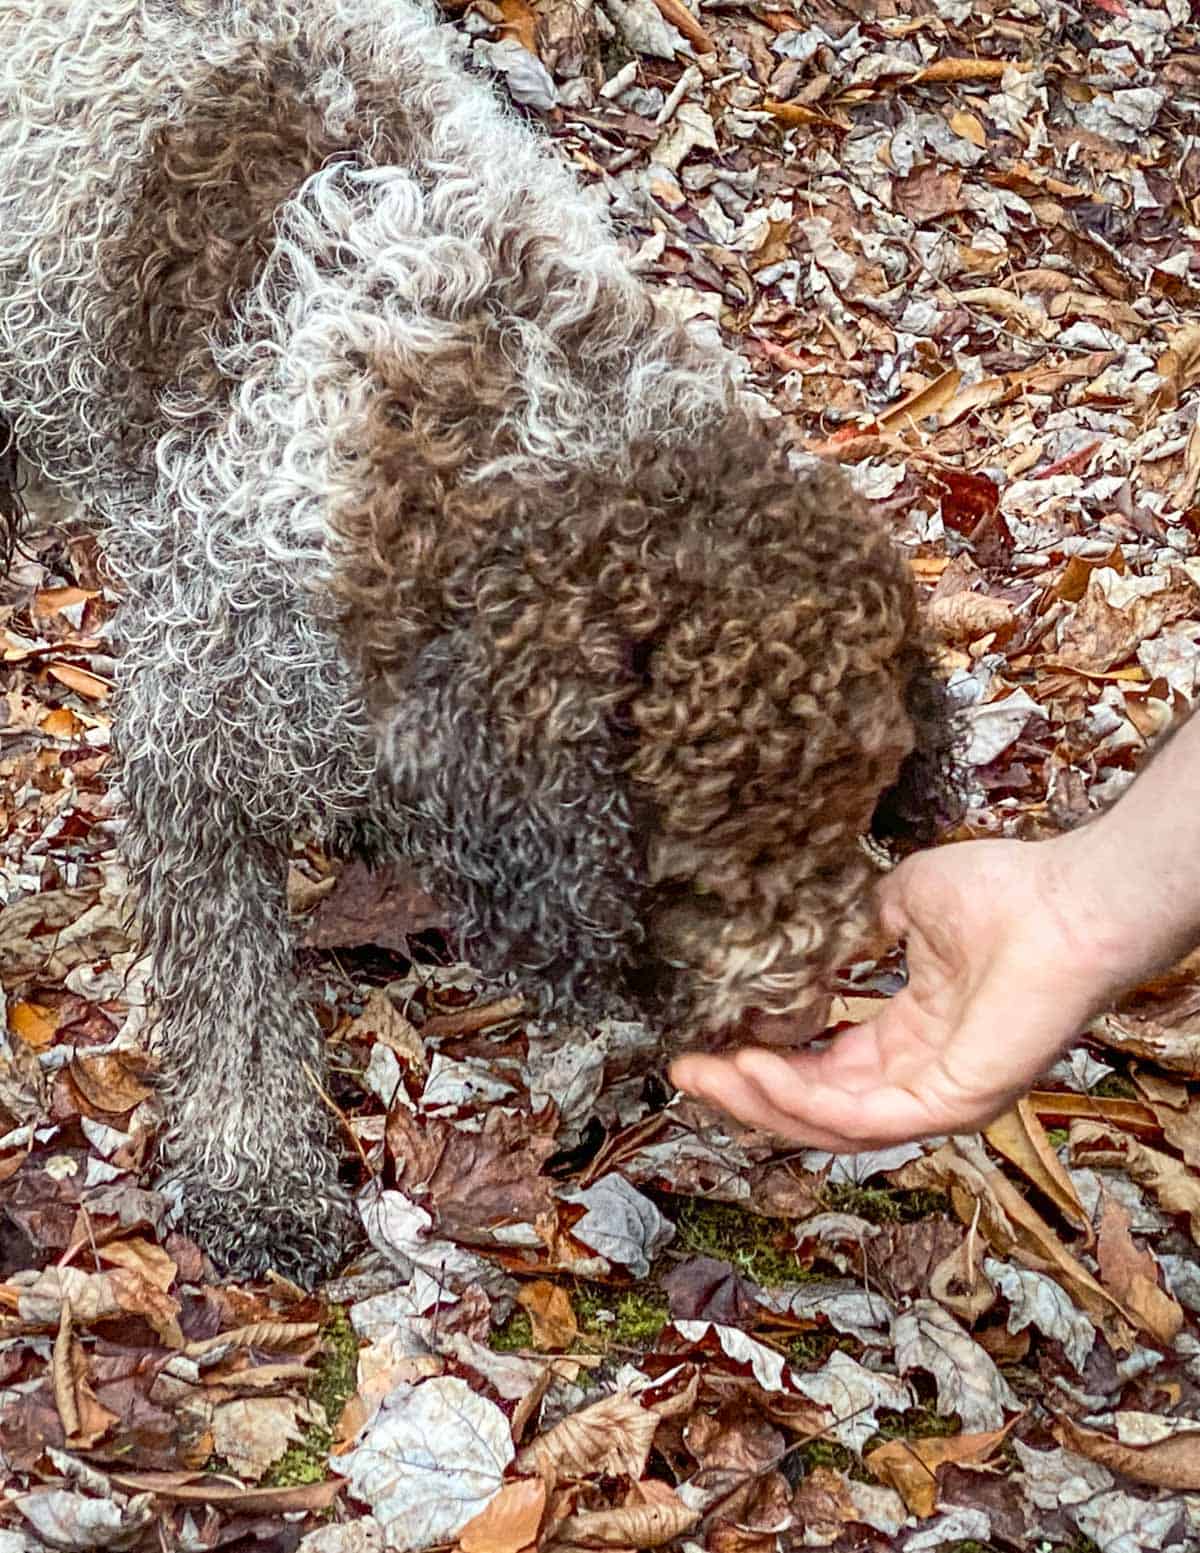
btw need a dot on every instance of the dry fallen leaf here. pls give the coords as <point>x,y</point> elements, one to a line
<point>1021,1138</point>
<point>1172,1462</point>
<point>910,1466</point>
<point>611,1437</point>
<point>551,1315</point>
<point>510,1522</point>
<point>1132,1274</point>
<point>1173,1186</point>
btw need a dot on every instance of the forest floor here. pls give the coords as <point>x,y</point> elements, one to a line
<point>957,245</point>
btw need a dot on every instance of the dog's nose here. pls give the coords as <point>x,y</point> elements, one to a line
<point>757,1028</point>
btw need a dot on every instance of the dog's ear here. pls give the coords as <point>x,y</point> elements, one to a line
<point>530,841</point>
<point>926,797</point>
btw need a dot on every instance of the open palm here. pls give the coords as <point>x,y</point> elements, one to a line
<point>998,983</point>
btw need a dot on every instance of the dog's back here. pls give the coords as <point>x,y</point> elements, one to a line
<point>188,190</point>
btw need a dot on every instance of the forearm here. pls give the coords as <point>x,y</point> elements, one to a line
<point>1127,885</point>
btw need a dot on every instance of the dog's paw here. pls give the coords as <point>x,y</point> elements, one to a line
<point>301,1226</point>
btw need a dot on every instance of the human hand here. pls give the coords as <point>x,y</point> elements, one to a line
<point>1002,974</point>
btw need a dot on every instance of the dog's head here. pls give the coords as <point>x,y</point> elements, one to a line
<point>639,720</point>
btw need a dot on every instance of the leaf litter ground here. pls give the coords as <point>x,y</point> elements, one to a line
<point>956,248</point>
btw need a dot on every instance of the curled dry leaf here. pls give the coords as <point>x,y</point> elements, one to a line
<point>277,1336</point>
<point>962,617</point>
<point>633,1526</point>
<point>1014,1228</point>
<point>611,1438</point>
<point>1172,1462</point>
<point>84,1420</point>
<point>959,1283</point>
<point>97,1297</point>
<point>1176,1048</point>
<point>1021,1138</point>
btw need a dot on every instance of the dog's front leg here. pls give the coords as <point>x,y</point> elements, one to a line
<point>248,1141</point>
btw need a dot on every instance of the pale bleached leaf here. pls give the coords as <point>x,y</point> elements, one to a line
<point>433,1457</point>
<point>928,1338</point>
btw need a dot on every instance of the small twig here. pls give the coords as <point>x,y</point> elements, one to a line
<point>341,1116</point>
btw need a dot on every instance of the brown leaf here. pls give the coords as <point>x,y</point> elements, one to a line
<point>520,22</point>
<point>959,1283</point>
<point>683,21</point>
<point>928,400</point>
<point>1101,635</point>
<point>1176,1110</point>
<point>380,906</point>
<point>1170,1463</point>
<point>1131,1272</point>
<point>48,601</point>
<point>206,1488</point>
<point>928,192</point>
<point>963,617</point>
<point>702,1288</point>
<point>151,1262</point>
<point>1077,574</point>
<point>910,1466</point>
<point>611,1438</point>
<point>37,1026</point>
<point>951,70</point>
<point>84,1420</point>
<point>798,113</point>
<point>474,1181</point>
<point>111,1081</point>
<point>550,1314</point>
<point>382,1021</point>
<point>633,1526</point>
<point>1014,1228</point>
<point>275,1335</point>
<point>475,1017</point>
<point>81,681</point>
<point>969,127</point>
<point>1021,1138</point>
<point>252,1433</point>
<point>1061,1108</point>
<point>511,1520</point>
<point>1179,364</point>
<point>1175,1047</point>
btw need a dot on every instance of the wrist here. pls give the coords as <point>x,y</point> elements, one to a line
<point>1112,911</point>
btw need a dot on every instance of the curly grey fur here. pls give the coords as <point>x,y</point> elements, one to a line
<point>243,244</point>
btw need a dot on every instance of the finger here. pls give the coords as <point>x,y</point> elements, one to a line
<point>890,910</point>
<point>716,1081</point>
<point>865,1117</point>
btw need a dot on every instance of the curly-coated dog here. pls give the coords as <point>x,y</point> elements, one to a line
<point>429,522</point>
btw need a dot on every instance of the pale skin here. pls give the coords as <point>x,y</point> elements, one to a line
<point>1012,947</point>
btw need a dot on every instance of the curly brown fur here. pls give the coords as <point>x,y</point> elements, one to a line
<point>721,654</point>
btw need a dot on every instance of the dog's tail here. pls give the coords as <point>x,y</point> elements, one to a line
<point>12,509</point>
<point>927,796</point>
